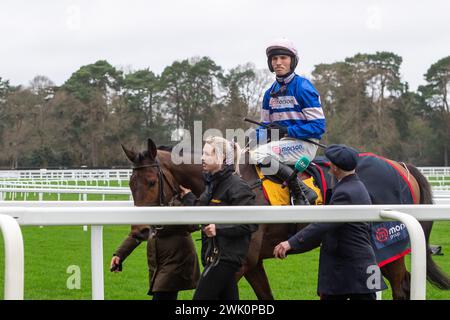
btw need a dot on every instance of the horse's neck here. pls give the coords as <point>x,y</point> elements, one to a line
<point>187,175</point>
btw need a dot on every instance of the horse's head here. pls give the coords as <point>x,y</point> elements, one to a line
<point>151,183</point>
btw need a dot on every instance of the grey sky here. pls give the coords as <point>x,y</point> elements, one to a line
<point>55,38</point>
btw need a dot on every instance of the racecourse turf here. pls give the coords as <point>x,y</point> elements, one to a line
<point>49,251</point>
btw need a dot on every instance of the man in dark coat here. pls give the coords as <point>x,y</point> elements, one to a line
<point>347,265</point>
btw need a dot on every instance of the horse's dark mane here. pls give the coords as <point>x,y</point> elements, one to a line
<point>144,154</point>
<point>141,156</point>
<point>170,149</point>
<point>165,148</point>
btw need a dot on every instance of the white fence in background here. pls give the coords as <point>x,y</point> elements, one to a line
<point>435,171</point>
<point>441,188</point>
<point>55,182</point>
<point>63,183</point>
<point>11,193</point>
<point>19,185</point>
<point>121,213</point>
<point>438,176</point>
<point>79,174</point>
<point>121,174</point>
<point>441,194</point>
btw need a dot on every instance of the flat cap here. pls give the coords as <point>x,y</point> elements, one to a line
<point>343,157</point>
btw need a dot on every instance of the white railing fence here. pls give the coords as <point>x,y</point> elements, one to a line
<point>12,192</point>
<point>98,215</point>
<point>435,171</point>
<point>125,173</point>
<point>418,250</point>
<point>20,185</point>
<point>439,177</point>
<point>14,258</point>
<point>71,174</point>
<point>65,182</point>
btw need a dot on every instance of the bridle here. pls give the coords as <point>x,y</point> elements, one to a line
<point>161,177</point>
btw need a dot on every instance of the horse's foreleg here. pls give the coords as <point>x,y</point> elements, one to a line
<point>257,278</point>
<point>399,278</point>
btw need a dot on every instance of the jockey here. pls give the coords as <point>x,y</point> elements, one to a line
<point>292,110</point>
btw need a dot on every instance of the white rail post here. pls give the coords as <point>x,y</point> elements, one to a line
<point>379,295</point>
<point>97,263</point>
<point>14,259</point>
<point>418,252</point>
<point>85,228</point>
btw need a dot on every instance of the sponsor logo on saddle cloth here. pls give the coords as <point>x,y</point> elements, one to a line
<point>385,234</point>
<point>283,102</point>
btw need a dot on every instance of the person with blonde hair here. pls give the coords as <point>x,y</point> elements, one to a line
<point>224,247</point>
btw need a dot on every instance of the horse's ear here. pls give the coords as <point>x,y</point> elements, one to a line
<point>151,148</point>
<point>131,155</point>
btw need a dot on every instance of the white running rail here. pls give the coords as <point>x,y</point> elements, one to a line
<point>126,214</point>
<point>14,258</point>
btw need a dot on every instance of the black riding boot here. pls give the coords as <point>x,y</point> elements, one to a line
<point>301,194</point>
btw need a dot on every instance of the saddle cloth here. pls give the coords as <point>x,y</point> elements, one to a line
<point>278,196</point>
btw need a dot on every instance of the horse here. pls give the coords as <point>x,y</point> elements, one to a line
<point>170,176</point>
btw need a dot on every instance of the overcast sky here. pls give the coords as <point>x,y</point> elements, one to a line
<point>55,38</point>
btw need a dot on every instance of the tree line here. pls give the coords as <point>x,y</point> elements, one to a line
<point>84,121</point>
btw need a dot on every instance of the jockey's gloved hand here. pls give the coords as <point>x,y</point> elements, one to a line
<point>283,131</point>
<point>261,135</point>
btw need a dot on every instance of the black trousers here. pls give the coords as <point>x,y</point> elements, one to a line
<point>364,296</point>
<point>218,283</point>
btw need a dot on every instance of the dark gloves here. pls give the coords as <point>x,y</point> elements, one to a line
<point>262,130</point>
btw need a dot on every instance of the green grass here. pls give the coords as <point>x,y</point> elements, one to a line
<point>49,251</point>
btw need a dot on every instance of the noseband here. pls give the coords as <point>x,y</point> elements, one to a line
<point>161,178</point>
